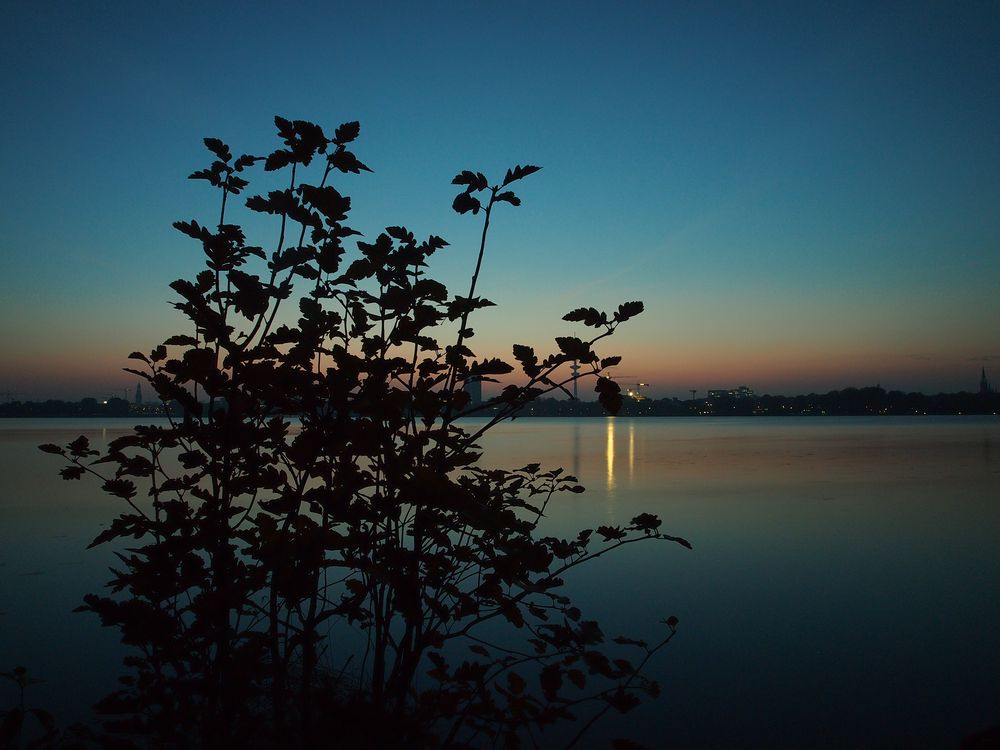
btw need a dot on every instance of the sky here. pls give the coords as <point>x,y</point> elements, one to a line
<point>805,196</point>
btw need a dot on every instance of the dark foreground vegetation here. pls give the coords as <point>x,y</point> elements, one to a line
<point>350,577</point>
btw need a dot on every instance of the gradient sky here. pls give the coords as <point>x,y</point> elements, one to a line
<point>805,196</point>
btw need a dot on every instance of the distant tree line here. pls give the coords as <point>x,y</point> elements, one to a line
<point>870,401</point>
<point>849,402</point>
<point>87,407</point>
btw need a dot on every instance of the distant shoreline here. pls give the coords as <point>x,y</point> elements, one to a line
<point>849,402</point>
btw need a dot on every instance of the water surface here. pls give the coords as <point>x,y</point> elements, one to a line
<point>841,591</point>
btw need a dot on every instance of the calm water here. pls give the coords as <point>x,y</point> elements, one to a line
<point>842,591</point>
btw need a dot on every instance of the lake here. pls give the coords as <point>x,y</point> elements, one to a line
<point>841,593</point>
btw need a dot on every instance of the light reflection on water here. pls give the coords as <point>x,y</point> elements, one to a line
<point>611,456</point>
<point>841,590</point>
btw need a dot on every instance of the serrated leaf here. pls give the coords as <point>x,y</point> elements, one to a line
<point>277,160</point>
<point>589,316</point>
<point>628,310</point>
<point>577,677</point>
<point>518,173</point>
<point>71,472</point>
<point>220,149</point>
<point>573,347</point>
<point>464,203</point>
<point>347,132</point>
<point>345,161</point>
<point>515,683</point>
<point>285,127</point>
<point>509,197</point>
<point>179,340</point>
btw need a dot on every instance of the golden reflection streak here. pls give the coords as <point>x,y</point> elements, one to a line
<point>576,448</point>
<point>611,453</point>
<point>631,451</point>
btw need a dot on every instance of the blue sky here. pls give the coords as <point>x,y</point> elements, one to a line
<point>805,196</point>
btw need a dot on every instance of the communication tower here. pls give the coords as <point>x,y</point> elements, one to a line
<point>575,367</point>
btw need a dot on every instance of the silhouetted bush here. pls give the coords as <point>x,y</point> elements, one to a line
<point>312,555</point>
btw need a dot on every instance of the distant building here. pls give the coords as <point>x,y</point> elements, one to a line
<point>984,385</point>
<point>743,391</point>
<point>138,394</point>
<point>475,390</point>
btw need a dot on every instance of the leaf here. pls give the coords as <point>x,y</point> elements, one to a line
<point>347,132</point>
<point>246,160</point>
<point>577,677</point>
<point>646,522</point>
<point>518,173</point>
<point>277,160</point>
<point>509,197</point>
<point>609,533</point>
<point>51,448</point>
<point>515,683</point>
<point>430,289</point>
<point>191,459</point>
<point>179,340</point>
<point>628,310</point>
<point>609,394</point>
<point>219,148</point>
<point>474,180</point>
<point>550,680</point>
<point>285,128</point>
<point>72,472</point>
<point>193,229</point>
<point>623,641</point>
<point>598,663</point>
<point>624,666</point>
<point>622,700</point>
<point>492,366</point>
<point>464,203</point>
<point>328,201</point>
<point>207,174</point>
<point>526,356</point>
<point>574,348</point>
<point>346,161</point>
<point>80,448</point>
<point>401,234</point>
<point>589,316</point>
<point>120,488</point>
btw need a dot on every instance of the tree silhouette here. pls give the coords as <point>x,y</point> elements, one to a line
<point>321,486</point>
